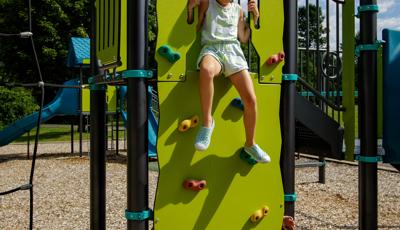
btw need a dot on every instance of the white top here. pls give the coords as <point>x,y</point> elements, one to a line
<point>221,23</point>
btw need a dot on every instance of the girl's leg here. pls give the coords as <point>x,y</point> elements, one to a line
<point>244,86</point>
<point>209,68</point>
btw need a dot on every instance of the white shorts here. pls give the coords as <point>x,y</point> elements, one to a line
<point>229,55</point>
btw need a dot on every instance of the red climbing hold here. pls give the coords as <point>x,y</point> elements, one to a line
<point>195,185</point>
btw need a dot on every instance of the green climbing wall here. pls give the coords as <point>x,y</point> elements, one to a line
<point>235,189</point>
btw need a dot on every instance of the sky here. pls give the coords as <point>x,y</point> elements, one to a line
<point>388,16</point>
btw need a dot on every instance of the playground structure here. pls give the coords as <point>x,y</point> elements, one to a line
<point>316,132</point>
<point>182,168</point>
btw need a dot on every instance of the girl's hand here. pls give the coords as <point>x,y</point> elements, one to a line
<point>252,7</point>
<point>193,3</point>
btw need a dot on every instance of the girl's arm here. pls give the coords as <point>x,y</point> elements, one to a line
<point>191,4</point>
<point>203,6</point>
<point>202,13</point>
<point>243,29</point>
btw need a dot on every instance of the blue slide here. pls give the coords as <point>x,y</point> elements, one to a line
<point>152,120</point>
<point>64,103</point>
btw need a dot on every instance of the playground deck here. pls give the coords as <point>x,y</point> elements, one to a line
<point>62,192</point>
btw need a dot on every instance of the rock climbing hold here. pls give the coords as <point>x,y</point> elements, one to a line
<point>257,216</point>
<point>168,53</point>
<point>273,59</point>
<point>265,210</point>
<point>246,157</point>
<point>186,124</point>
<point>281,56</point>
<point>237,102</point>
<point>194,121</point>
<point>276,58</point>
<point>195,185</point>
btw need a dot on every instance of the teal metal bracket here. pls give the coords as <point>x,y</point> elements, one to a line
<point>94,86</point>
<point>366,8</point>
<point>369,47</point>
<point>290,77</point>
<point>366,159</point>
<point>290,197</point>
<point>137,74</point>
<point>139,216</point>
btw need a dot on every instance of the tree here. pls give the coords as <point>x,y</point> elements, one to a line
<point>53,23</point>
<point>315,24</point>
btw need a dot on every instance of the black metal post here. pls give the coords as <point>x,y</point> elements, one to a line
<point>72,136</point>
<point>367,80</point>
<point>117,121</point>
<point>287,104</point>
<point>97,160</point>
<point>29,144</point>
<point>97,138</point>
<point>137,178</point>
<point>321,170</point>
<point>80,111</point>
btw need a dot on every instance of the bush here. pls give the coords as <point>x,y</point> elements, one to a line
<point>15,104</point>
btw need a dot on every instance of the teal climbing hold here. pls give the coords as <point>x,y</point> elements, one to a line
<point>168,53</point>
<point>246,157</point>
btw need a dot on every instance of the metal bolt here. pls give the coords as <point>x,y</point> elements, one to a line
<point>262,78</point>
<point>272,77</point>
<point>181,76</point>
<point>169,75</point>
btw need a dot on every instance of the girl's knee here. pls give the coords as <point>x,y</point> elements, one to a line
<point>207,71</point>
<point>250,101</point>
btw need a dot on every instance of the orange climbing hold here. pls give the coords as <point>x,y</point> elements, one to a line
<point>195,185</point>
<point>186,124</point>
<point>259,214</point>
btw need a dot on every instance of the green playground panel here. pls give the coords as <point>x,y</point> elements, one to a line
<point>267,40</point>
<point>348,101</point>
<point>235,189</point>
<point>107,31</point>
<point>123,41</point>
<point>86,100</point>
<point>380,91</point>
<point>111,99</point>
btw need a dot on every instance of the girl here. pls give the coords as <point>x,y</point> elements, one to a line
<point>222,23</point>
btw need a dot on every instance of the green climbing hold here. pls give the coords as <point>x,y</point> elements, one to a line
<point>168,53</point>
<point>246,157</point>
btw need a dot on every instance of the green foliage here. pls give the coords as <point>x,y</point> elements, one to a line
<point>152,33</point>
<point>53,23</point>
<point>309,62</point>
<point>15,104</point>
<point>315,25</point>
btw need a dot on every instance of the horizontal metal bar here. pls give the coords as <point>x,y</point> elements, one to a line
<point>310,164</point>
<point>319,96</point>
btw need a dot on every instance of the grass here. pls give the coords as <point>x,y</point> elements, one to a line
<point>58,133</point>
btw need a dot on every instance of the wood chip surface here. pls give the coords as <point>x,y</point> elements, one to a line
<point>61,192</point>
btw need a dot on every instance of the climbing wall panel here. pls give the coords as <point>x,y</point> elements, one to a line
<point>233,190</point>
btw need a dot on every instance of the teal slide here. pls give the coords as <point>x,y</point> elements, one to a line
<point>65,103</point>
<point>152,120</point>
